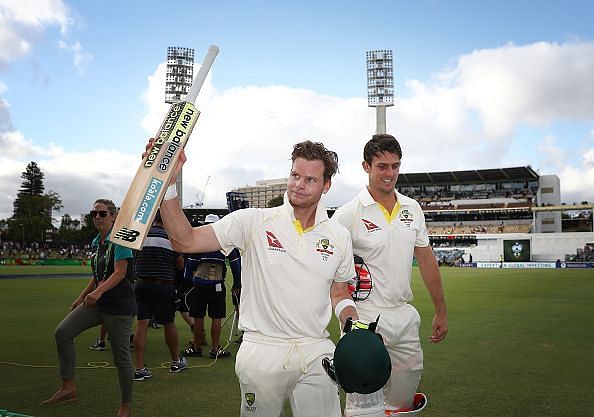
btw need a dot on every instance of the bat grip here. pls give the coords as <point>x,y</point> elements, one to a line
<point>212,53</point>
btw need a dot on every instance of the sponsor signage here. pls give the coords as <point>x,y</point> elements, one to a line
<point>580,265</point>
<point>516,250</point>
<point>516,265</point>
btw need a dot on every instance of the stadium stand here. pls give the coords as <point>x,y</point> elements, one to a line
<point>475,211</point>
<point>585,254</point>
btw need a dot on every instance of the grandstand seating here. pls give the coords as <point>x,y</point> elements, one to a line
<point>469,229</point>
<point>582,255</point>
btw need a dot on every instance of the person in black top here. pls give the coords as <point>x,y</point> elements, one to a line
<point>108,298</point>
<point>155,266</point>
<point>207,271</point>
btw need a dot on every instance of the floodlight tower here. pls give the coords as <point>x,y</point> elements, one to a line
<point>380,84</point>
<point>178,80</point>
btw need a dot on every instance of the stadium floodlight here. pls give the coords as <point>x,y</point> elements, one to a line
<point>180,73</point>
<point>178,80</point>
<point>380,84</point>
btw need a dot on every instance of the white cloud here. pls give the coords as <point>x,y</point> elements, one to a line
<point>588,158</point>
<point>467,116</point>
<point>533,84</point>
<point>23,20</point>
<point>553,156</point>
<point>577,181</point>
<point>79,178</point>
<point>463,118</point>
<point>245,134</point>
<point>81,59</point>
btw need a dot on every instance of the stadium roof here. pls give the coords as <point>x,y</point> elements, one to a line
<point>525,173</point>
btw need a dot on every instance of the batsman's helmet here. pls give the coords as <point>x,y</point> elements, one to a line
<point>361,362</point>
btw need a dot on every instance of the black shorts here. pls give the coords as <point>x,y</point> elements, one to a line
<point>211,297</point>
<point>155,298</point>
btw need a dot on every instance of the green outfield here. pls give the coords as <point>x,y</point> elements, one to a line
<point>520,344</point>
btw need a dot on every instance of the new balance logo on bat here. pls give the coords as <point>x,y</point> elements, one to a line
<point>126,234</point>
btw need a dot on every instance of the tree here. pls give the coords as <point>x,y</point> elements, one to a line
<point>276,201</point>
<point>33,209</point>
<point>75,231</point>
<point>31,187</point>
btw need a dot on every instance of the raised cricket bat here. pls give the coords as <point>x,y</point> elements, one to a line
<point>148,187</point>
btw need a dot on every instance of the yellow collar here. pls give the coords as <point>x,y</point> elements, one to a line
<point>300,229</point>
<point>390,216</point>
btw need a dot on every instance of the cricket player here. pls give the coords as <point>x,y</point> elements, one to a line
<point>295,265</point>
<point>387,229</point>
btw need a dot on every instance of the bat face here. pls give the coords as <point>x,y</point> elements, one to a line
<point>171,134</point>
<point>152,178</point>
<point>154,174</point>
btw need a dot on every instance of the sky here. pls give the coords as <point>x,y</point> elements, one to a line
<point>478,85</point>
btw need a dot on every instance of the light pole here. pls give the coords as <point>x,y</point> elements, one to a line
<point>380,84</point>
<point>178,80</point>
<point>23,233</point>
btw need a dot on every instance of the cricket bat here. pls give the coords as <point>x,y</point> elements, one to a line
<point>148,187</point>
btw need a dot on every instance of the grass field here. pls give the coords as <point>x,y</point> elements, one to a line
<point>520,344</point>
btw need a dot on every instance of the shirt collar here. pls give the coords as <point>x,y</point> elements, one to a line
<point>321,212</point>
<point>367,200</point>
<point>97,239</point>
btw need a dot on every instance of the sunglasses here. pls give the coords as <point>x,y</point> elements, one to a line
<point>101,213</point>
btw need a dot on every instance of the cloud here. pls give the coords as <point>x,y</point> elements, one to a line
<point>81,59</point>
<point>245,134</point>
<point>467,116</point>
<point>22,22</point>
<point>533,84</point>
<point>79,178</point>
<point>577,181</point>
<point>470,115</point>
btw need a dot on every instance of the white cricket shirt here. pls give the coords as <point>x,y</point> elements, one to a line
<point>286,273</point>
<point>387,247</point>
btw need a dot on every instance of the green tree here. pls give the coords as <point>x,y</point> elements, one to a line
<point>75,231</point>
<point>32,216</point>
<point>28,197</point>
<point>275,201</point>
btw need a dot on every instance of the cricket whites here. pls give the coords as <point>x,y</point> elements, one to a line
<point>148,187</point>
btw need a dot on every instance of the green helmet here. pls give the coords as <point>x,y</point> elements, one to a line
<point>361,362</point>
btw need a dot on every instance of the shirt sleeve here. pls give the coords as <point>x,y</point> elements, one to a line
<point>422,239</point>
<point>346,270</point>
<point>232,230</point>
<point>121,252</point>
<point>342,216</point>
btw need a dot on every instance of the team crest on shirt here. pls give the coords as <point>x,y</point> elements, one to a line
<point>370,226</point>
<point>325,248</point>
<point>273,243</point>
<point>250,399</point>
<point>405,217</point>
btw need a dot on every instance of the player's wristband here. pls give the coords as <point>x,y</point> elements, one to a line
<point>171,192</point>
<point>342,304</point>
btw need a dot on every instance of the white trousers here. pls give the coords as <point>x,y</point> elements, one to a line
<point>272,371</point>
<point>399,327</point>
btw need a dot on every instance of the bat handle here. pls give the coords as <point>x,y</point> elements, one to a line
<point>212,53</point>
